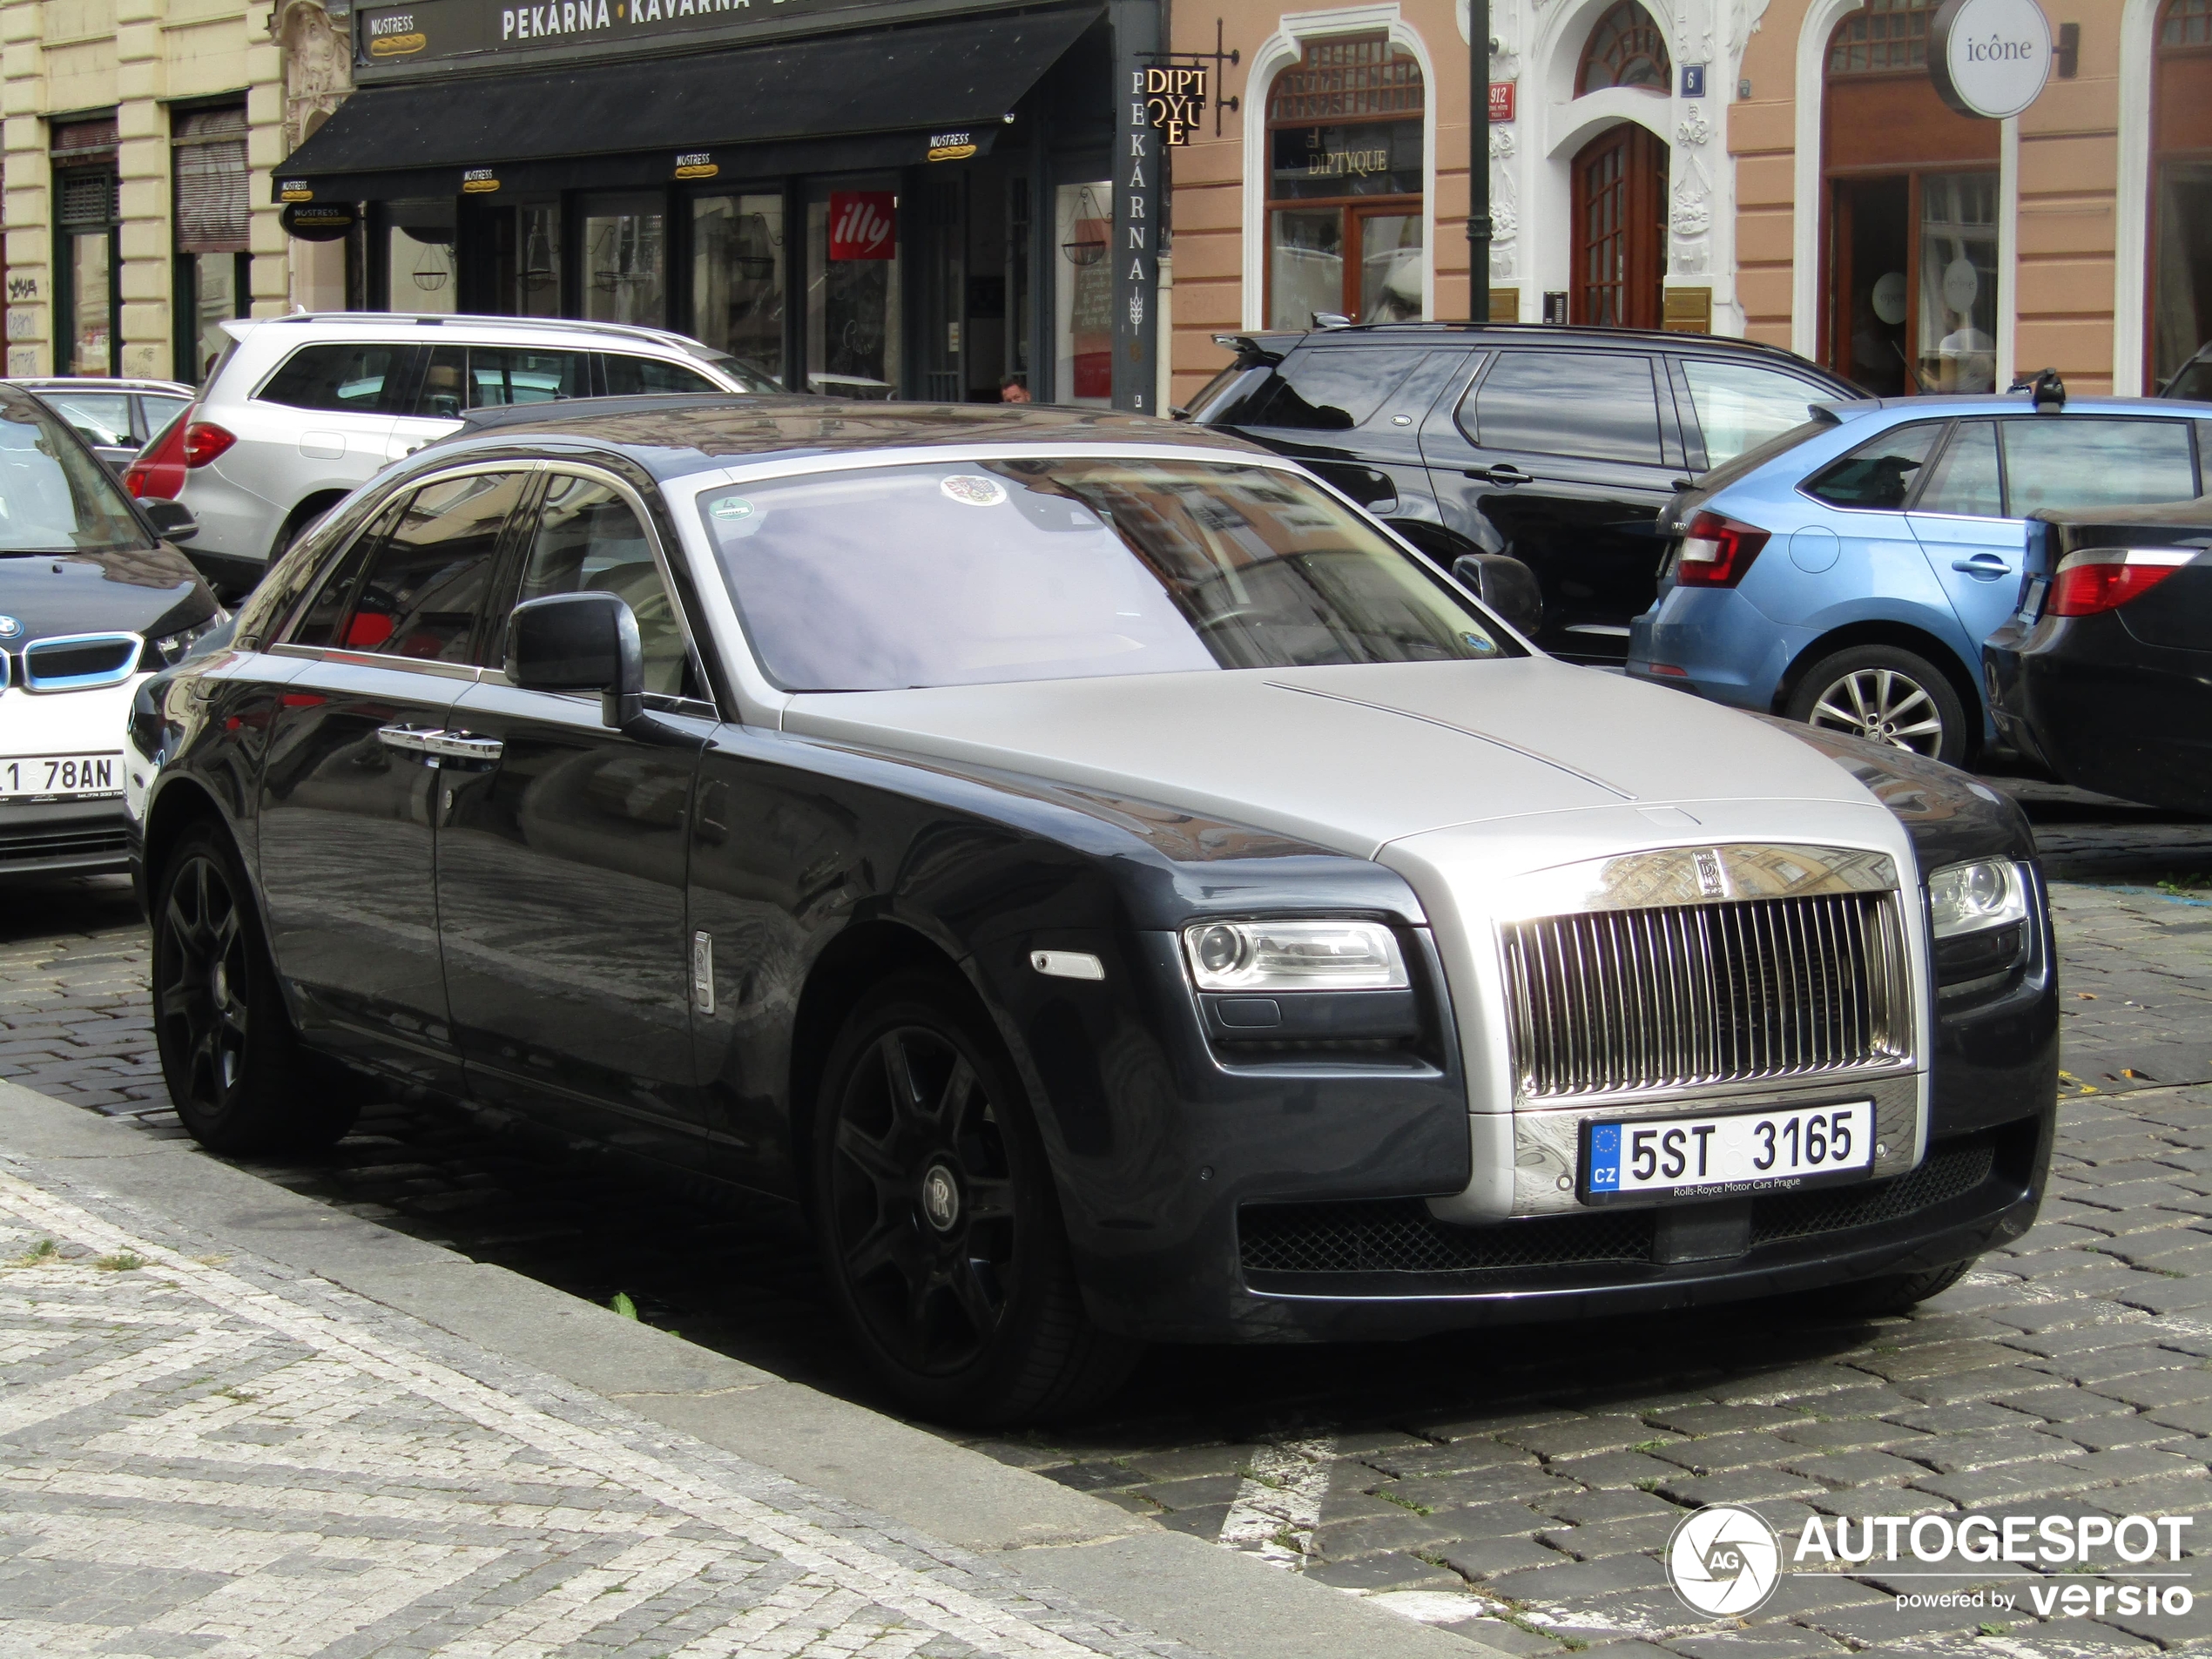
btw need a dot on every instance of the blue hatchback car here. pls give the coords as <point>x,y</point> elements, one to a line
<point>1847,572</point>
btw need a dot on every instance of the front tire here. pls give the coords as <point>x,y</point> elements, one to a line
<point>1902,1293</point>
<point>240,1079</point>
<point>1884,695</point>
<point>940,1233</point>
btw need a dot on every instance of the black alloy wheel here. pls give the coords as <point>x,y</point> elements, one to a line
<point>1884,695</point>
<point>236,1071</point>
<point>938,1221</point>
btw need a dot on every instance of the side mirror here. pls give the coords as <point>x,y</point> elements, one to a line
<point>171,520</point>
<point>580,641</point>
<point>1506,585</point>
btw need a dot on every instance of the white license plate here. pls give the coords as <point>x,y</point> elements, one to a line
<point>42,776</point>
<point>1718,1156</point>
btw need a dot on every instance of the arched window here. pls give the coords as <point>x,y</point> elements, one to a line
<point>1625,49</point>
<point>1887,35</point>
<point>1343,184</point>
<point>2181,205</point>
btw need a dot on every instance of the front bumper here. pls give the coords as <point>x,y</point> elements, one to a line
<point>64,838</point>
<point>65,835</point>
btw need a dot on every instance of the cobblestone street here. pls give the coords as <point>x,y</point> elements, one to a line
<point>1515,1486</point>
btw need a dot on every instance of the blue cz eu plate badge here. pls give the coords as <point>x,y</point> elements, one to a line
<point>1605,1158</point>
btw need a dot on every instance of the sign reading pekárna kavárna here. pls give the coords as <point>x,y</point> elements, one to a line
<point>1989,57</point>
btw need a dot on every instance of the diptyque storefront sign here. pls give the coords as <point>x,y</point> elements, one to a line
<point>1989,57</point>
<point>395,41</point>
<point>1175,96</point>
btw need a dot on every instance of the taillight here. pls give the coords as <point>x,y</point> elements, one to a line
<point>204,441</point>
<point>159,472</point>
<point>2104,578</point>
<point>1716,551</point>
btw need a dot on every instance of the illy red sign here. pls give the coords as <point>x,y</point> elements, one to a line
<point>863,225</point>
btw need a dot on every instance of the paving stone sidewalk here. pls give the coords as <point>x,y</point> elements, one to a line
<point>201,1454</point>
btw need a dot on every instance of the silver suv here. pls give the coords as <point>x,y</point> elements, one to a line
<point>301,410</point>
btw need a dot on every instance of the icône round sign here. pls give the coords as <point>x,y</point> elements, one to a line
<point>1989,57</point>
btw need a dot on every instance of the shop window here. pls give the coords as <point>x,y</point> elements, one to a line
<point>87,249</point>
<point>1887,35</point>
<point>209,221</point>
<point>1625,49</point>
<point>1345,218</point>
<point>420,273</point>
<point>2181,273</point>
<point>737,279</point>
<point>1084,329</point>
<point>524,241</point>
<point>1909,248</point>
<point>855,320</point>
<point>625,259</point>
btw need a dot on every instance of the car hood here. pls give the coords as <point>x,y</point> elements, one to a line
<point>1354,757</point>
<point>144,590</point>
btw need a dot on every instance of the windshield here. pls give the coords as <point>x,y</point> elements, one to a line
<point>969,572</point>
<point>54,497</point>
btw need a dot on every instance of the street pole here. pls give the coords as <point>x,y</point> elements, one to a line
<point>1478,161</point>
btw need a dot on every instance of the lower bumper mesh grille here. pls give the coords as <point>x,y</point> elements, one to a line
<point>1400,1236</point>
<point>25,846</point>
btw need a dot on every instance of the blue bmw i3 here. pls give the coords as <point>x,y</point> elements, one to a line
<point>1847,572</point>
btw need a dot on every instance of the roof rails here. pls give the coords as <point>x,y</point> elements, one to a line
<point>435,319</point>
<point>1445,325</point>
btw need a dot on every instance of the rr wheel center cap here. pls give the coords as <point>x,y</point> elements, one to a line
<point>940,1198</point>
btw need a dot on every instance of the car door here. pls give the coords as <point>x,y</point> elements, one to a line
<point>562,851</point>
<point>1565,459</point>
<point>349,785</point>
<point>1973,546</point>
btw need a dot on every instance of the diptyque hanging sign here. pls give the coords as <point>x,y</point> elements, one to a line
<point>1175,96</point>
<point>1989,57</point>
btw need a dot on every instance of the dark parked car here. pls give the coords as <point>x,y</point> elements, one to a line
<point>1556,446</point>
<point>1118,891</point>
<point>2104,674</point>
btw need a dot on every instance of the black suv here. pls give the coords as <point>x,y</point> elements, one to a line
<point>1556,445</point>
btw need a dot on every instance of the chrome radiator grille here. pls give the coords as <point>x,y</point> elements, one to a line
<point>1616,1000</point>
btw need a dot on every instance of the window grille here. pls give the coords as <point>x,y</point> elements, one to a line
<point>88,200</point>
<point>1625,49</point>
<point>1347,80</point>
<point>1889,34</point>
<point>2188,22</point>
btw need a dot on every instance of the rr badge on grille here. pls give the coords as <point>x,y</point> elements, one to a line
<point>1710,880</point>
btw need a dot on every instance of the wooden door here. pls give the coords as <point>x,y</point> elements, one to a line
<point>1620,229</point>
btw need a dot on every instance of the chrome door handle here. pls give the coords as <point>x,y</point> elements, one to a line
<point>1982,565</point>
<point>413,739</point>
<point>463,745</point>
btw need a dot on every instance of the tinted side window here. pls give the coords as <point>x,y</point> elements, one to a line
<point>426,583</point>
<point>588,540</point>
<point>361,379</point>
<point>1964,479</point>
<point>636,376</point>
<point>2084,462</point>
<point>1740,406</point>
<point>1332,389</point>
<point>1881,472</point>
<point>1599,405</point>
<point>318,624</point>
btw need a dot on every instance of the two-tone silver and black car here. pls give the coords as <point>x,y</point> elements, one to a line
<point>1115,888</point>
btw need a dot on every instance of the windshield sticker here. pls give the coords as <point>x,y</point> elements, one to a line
<point>731,506</point>
<point>973,489</point>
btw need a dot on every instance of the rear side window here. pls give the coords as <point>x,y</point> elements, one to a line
<point>492,377</point>
<point>1881,472</point>
<point>2085,462</point>
<point>1740,406</point>
<point>630,376</point>
<point>1602,406</point>
<point>426,583</point>
<point>1331,388</point>
<point>319,622</point>
<point>361,379</point>
<point>1966,479</point>
<point>102,418</point>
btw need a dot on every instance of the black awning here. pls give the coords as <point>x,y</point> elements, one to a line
<point>872,99</point>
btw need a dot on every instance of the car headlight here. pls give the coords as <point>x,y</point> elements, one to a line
<point>1970,898</point>
<point>170,648</point>
<point>1294,956</point>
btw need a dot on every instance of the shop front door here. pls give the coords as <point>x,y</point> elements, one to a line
<point>1620,265</point>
